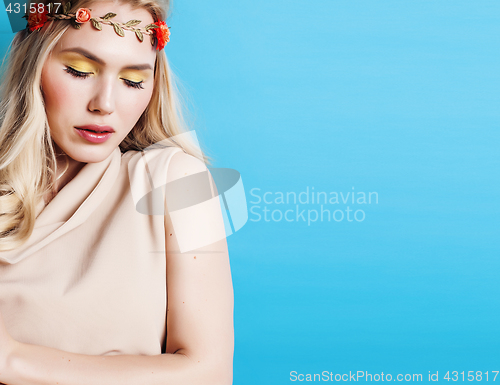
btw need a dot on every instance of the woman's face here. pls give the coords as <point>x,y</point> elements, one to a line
<point>98,81</point>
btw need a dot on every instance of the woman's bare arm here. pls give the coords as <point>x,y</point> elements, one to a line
<point>199,327</point>
<point>40,365</point>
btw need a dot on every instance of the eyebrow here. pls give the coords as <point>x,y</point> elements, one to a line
<point>94,58</point>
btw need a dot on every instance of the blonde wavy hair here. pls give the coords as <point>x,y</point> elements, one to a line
<point>27,158</point>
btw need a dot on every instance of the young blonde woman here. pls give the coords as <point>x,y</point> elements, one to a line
<point>92,290</point>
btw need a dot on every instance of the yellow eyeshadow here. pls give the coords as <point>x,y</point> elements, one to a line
<point>79,64</point>
<point>135,76</point>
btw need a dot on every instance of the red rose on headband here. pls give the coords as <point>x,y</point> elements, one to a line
<point>36,20</point>
<point>82,15</point>
<point>162,34</point>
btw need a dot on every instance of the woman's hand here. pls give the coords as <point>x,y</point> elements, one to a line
<point>7,347</point>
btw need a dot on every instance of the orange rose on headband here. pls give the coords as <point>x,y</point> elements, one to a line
<point>82,15</point>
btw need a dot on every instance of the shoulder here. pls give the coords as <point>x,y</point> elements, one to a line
<point>153,168</point>
<point>182,165</point>
<point>152,162</point>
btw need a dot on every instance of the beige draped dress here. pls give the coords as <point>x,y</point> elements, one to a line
<point>91,279</point>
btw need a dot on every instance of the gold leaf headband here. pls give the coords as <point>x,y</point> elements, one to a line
<point>158,31</point>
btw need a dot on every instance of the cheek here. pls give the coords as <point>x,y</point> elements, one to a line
<point>58,97</point>
<point>134,106</point>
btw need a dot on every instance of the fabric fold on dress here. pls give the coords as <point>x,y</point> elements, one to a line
<point>72,205</point>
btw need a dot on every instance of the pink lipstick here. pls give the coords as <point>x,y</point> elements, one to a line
<point>94,133</point>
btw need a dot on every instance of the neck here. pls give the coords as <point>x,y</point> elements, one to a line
<point>66,170</point>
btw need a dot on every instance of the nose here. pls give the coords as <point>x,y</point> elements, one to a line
<point>103,100</point>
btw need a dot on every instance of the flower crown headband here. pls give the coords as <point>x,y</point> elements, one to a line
<point>158,31</point>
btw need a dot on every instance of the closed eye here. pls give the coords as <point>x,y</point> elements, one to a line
<point>77,74</point>
<point>132,84</point>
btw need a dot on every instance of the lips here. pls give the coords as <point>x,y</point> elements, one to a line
<point>94,133</point>
<point>97,129</point>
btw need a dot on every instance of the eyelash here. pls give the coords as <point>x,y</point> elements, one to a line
<point>132,84</point>
<point>84,75</point>
<point>77,74</point>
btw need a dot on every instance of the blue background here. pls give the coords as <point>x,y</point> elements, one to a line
<point>395,97</point>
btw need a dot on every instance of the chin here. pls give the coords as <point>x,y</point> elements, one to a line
<point>92,155</point>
